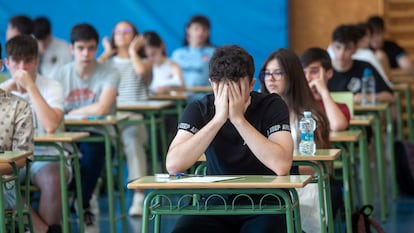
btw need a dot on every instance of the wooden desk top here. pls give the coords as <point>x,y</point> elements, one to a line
<point>172,96</point>
<point>345,135</point>
<point>245,181</point>
<point>364,120</point>
<point>60,137</point>
<point>376,107</point>
<point>144,105</point>
<point>81,120</point>
<point>400,86</point>
<point>200,89</point>
<point>402,78</point>
<point>11,156</point>
<point>320,155</point>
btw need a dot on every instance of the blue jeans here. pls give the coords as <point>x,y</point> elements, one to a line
<point>231,224</point>
<point>91,165</point>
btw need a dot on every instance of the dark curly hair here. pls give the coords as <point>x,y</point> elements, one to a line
<point>21,47</point>
<point>231,62</point>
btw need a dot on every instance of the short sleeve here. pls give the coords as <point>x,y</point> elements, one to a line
<point>275,115</point>
<point>192,119</point>
<point>23,128</point>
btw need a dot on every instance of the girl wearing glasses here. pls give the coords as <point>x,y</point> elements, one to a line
<point>124,51</point>
<point>282,74</point>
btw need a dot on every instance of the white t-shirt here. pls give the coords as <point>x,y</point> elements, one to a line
<point>162,76</point>
<point>52,93</point>
<point>56,55</point>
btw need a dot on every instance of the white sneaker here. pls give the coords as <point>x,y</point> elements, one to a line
<point>92,229</point>
<point>94,206</point>
<point>137,204</point>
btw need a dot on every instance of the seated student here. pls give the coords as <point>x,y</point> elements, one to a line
<point>240,131</point>
<point>348,72</point>
<point>123,52</point>
<point>398,59</point>
<point>363,34</point>
<point>318,70</point>
<point>195,54</point>
<point>46,100</point>
<point>282,73</point>
<point>19,25</point>
<point>166,74</point>
<point>16,133</point>
<point>89,89</point>
<point>53,52</point>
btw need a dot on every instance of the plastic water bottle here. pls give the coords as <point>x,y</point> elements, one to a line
<point>368,96</point>
<point>307,126</point>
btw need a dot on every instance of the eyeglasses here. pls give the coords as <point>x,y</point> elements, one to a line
<point>275,75</point>
<point>123,31</point>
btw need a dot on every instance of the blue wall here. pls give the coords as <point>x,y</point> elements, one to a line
<point>258,27</point>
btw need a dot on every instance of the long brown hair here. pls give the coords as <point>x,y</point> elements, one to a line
<point>297,93</point>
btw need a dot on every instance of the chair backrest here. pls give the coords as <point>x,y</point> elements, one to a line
<point>345,97</point>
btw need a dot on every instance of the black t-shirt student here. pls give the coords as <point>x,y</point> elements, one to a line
<point>228,154</point>
<point>351,80</point>
<point>394,52</point>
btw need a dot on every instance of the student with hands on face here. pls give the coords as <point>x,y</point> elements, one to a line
<point>241,132</point>
<point>232,98</point>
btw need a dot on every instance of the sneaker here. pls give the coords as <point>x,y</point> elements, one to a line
<point>92,229</point>
<point>94,206</point>
<point>136,206</point>
<point>88,217</point>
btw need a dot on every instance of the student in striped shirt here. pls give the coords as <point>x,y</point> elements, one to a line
<point>123,53</point>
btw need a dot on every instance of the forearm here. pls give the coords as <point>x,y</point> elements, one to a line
<point>94,109</point>
<point>141,69</point>
<point>104,56</point>
<point>48,117</point>
<point>273,155</point>
<point>385,97</point>
<point>185,151</point>
<point>336,118</point>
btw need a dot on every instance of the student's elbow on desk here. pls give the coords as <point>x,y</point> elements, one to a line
<point>173,166</point>
<point>338,126</point>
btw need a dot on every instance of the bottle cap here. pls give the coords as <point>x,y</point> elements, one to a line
<point>307,114</point>
<point>367,72</point>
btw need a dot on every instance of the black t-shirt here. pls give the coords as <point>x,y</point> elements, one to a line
<point>228,154</point>
<point>394,52</point>
<point>351,80</point>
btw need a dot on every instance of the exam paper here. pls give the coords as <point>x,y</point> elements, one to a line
<point>203,179</point>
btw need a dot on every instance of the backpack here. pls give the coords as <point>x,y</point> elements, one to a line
<point>404,166</point>
<point>362,223</point>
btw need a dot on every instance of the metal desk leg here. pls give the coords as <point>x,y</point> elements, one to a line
<point>399,115</point>
<point>120,179</point>
<point>408,109</point>
<point>390,137</point>
<point>380,165</point>
<point>154,149</point>
<point>365,168</point>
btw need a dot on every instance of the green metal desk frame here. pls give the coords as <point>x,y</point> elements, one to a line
<point>154,204</point>
<point>63,160</point>
<point>109,174</point>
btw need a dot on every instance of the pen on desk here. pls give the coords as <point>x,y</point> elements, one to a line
<point>177,175</point>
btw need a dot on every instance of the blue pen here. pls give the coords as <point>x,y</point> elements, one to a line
<point>179,175</point>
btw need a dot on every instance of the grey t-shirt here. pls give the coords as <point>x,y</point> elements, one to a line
<point>80,92</point>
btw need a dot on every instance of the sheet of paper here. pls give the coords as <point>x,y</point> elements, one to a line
<point>203,179</point>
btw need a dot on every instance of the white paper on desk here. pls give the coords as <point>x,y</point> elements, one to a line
<point>203,179</point>
<point>74,117</point>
